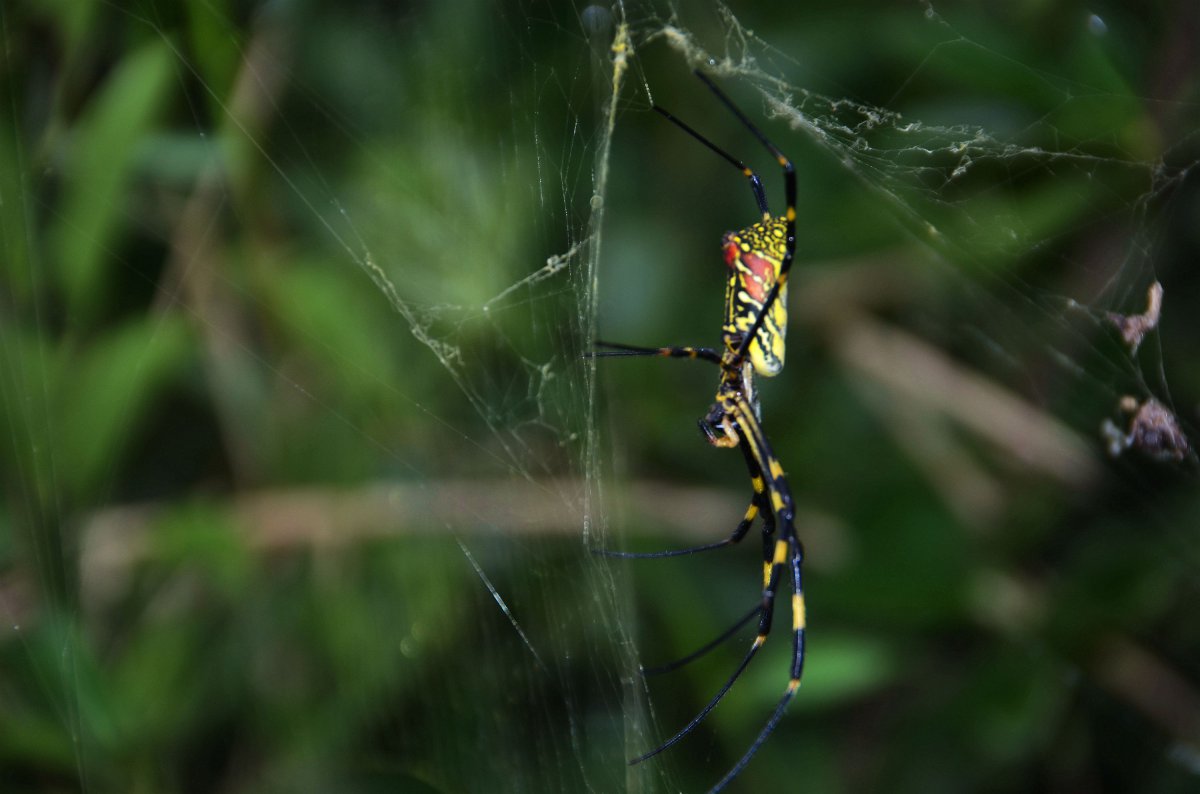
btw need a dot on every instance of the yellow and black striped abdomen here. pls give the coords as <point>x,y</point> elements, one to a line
<point>754,256</point>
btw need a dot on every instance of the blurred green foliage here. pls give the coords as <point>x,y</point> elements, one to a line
<point>295,421</point>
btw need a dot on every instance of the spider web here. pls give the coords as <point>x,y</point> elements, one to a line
<point>305,462</point>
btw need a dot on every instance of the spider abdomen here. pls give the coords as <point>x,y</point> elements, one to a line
<point>755,257</point>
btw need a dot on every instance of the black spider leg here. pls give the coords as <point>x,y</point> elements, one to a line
<point>760,197</point>
<point>618,350</point>
<point>760,504</point>
<point>696,654</point>
<point>763,495</point>
<point>775,492</point>
<point>789,187</point>
<point>787,546</point>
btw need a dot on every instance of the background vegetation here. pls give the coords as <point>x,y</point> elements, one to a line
<point>268,525</point>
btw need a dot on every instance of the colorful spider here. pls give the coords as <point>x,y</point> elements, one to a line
<point>758,258</point>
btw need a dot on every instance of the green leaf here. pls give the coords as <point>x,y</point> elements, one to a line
<point>311,304</point>
<point>217,45</point>
<point>98,169</point>
<point>107,393</point>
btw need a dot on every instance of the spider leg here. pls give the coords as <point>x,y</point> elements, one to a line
<point>766,612</point>
<point>768,514</point>
<point>696,654</point>
<point>740,532</point>
<point>619,350</point>
<point>705,354</point>
<point>769,491</point>
<point>760,198</point>
<point>760,503</point>
<point>793,683</point>
<point>788,551</point>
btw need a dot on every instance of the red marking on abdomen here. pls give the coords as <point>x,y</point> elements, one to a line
<point>756,288</point>
<point>731,254</point>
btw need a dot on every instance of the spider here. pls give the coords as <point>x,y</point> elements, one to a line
<point>759,258</point>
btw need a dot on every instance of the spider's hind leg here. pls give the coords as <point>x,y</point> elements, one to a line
<point>743,527</point>
<point>765,612</point>
<point>759,504</point>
